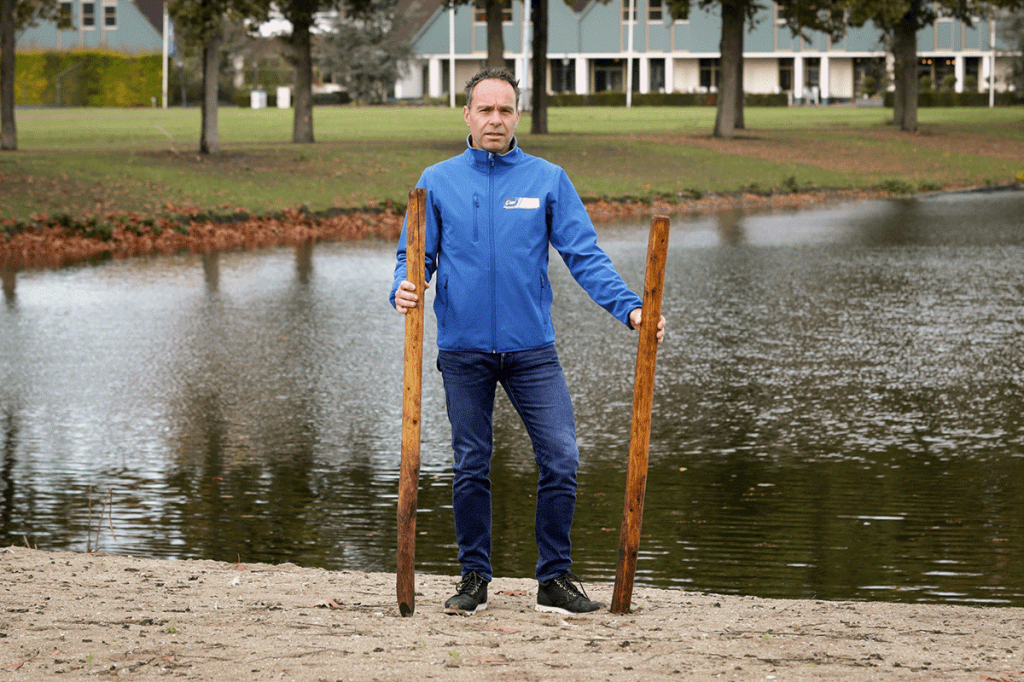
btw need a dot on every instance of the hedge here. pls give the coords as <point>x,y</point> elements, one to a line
<point>942,98</point>
<point>659,99</point>
<point>86,78</point>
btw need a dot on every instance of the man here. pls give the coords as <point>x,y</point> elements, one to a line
<point>491,214</point>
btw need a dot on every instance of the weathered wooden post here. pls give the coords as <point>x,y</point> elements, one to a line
<point>643,402</point>
<point>409,481</point>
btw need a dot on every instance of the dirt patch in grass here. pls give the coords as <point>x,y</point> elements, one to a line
<point>865,151</point>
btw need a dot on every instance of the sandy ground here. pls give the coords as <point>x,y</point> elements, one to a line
<point>67,616</point>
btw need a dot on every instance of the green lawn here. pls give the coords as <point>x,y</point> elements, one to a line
<point>146,160</point>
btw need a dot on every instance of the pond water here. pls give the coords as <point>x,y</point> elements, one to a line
<point>839,410</point>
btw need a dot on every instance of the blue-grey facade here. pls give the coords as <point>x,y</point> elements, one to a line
<point>590,44</point>
<point>128,26</point>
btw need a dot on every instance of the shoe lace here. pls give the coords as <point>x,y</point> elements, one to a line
<point>470,584</point>
<point>571,583</point>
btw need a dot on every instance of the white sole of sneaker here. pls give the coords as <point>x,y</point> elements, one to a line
<point>456,611</point>
<point>564,612</point>
<point>553,609</point>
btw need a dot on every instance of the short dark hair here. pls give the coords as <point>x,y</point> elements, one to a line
<point>500,73</point>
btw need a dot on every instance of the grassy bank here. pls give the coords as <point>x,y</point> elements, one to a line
<point>145,161</point>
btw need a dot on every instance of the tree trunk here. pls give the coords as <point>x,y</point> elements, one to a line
<point>8,129</point>
<point>302,128</point>
<point>539,79</point>
<point>904,50</point>
<point>495,34</point>
<point>209,137</point>
<point>730,104</point>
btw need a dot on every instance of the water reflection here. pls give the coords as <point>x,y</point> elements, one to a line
<point>8,282</point>
<point>837,414</point>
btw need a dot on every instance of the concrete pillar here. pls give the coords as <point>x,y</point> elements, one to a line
<point>958,71</point>
<point>798,79</point>
<point>670,74</point>
<point>582,76</point>
<point>824,79</point>
<point>645,74</point>
<point>434,74</point>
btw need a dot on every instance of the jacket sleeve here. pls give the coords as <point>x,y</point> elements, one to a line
<point>574,237</point>
<point>432,242</point>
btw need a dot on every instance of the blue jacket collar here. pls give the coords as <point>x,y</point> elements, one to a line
<point>480,157</point>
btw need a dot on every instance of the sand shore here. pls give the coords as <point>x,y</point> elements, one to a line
<point>70,616</point>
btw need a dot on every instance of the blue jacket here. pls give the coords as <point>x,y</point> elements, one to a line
<point>490,219</point>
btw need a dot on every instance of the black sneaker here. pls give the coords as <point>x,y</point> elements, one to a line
<point>470,596</point>
<point>565,594</point>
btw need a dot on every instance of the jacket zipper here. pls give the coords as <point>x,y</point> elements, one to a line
<point>476,218</point>
<point>494,264</point>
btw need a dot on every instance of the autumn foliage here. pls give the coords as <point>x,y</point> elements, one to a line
<point>53,241</point>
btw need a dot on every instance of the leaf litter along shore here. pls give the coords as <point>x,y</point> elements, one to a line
<point>65,240</point>
<point>79,616</point>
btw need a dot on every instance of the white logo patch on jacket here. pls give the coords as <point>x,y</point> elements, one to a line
<point>523,202</point>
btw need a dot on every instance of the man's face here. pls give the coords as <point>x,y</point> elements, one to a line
<point>492,118</point>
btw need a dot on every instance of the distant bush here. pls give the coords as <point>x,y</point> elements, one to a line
<point>896,187</point>
<point>327,98</point>
<point>870,85</point>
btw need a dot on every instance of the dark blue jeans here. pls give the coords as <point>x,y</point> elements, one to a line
<point>535,384</point>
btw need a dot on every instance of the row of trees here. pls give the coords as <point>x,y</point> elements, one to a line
<point>899,21</point>
<point>201,23</point>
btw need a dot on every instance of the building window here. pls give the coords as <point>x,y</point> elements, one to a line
<point>655,11</point>
<point>480,11</point>
<point>972,69</point>
<point>709,73</point>
<point>940,72</point>
<point>609,75</point>
<point>110,14</point>
<point>869,76</point>
<point>88,15</point>
<point>625,9</point>
<point>786,74</point>
<point>563,75</point>
<point>68,10</point>
<point>657,75</point>
<point>812,72</point>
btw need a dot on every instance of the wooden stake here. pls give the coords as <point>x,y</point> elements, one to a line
<point>408,484</point>
<point>643,401</point>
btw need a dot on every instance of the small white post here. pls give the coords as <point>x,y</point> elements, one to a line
<point>163,60</point>
<point>629,62</point>
<point>524,87</point>
<point>992,66</point>
<point>451,56</point>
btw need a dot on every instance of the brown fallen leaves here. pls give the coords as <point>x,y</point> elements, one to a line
<point>54,245</point>
<point>51,244</point>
